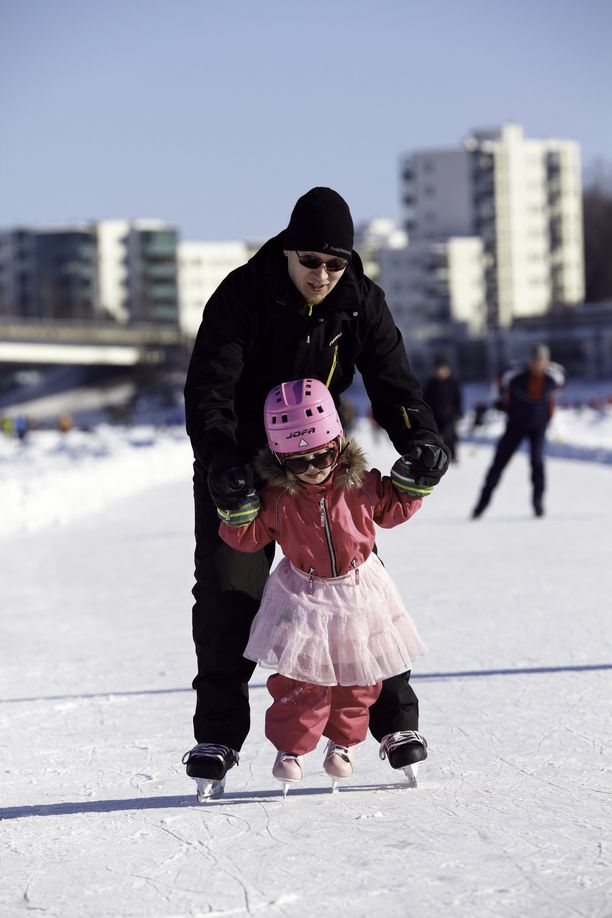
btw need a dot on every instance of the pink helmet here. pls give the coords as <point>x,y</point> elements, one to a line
<point>300,416</point>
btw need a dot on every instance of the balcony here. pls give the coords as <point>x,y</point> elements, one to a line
<point>163,271</point>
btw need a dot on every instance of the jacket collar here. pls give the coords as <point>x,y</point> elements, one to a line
<point>349,472</point>
<point>269,265</point>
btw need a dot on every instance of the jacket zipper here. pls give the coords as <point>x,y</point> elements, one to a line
<point>330,544</point>
<point>308,312</point>
<point>333,366</point>
<point>307,340</point>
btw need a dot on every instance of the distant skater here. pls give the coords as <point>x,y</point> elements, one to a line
<point>331,622</point>
<point>527,395</point>
<point>442,393</point>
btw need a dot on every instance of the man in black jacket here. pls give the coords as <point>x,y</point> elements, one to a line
<point>527,396</point>
<point>302,307</point>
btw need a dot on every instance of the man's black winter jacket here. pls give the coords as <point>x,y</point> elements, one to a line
<point>256,333</point>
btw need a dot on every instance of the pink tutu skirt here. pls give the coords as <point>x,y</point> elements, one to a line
<point>349,630</point>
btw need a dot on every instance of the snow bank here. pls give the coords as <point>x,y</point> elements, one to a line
<point>51,477</point>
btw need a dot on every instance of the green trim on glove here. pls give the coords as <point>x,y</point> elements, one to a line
<point>242,515</point>
<point>401,477</point>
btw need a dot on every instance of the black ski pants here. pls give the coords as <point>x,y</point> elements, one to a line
<point>507,446</point>
<point>228,589</point>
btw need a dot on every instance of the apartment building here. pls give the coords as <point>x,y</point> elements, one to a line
<point>113,269</point>
<point>119,269</point>
<point>521,198</point>
<point>430,284</point>
<point>49,273</point>
<point>152,272</point>
<point>17,273</point>
<point>201,268</point>
<point>372,238</point>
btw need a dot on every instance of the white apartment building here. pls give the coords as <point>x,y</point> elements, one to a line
<point>426,282</point>
<point>430,284</point>
<point>113,268</point>
<point>522,198</point>
<point>201,268</point>
<point>374,236</point>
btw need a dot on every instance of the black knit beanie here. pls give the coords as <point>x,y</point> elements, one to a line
<point>320,222</point>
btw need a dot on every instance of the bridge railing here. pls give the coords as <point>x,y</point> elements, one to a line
<point>68,331</point>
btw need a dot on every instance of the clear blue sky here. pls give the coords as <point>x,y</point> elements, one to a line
<point>217,116</point>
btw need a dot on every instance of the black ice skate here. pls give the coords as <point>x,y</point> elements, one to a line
<point>208,764</point>
<point>404,749</point>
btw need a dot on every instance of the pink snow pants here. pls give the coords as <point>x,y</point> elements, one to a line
<point>302,713</point>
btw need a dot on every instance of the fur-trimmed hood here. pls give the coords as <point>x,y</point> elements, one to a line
<point>326,529</point>
<point>349,472</point>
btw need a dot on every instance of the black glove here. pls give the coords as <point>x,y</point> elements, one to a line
<point>243,514</point>
<point>429,457</point>
<point>230,481</point>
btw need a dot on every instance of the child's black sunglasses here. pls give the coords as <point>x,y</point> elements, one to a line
<point>300,464</point>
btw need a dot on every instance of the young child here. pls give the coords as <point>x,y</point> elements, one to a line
<point>331,622</point>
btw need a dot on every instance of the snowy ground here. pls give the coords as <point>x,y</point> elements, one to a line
<point>512,816</point>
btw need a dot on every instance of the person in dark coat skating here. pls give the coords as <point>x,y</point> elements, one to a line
<point>527,395</point>
<point>442,393</point>
<point>301,307</point>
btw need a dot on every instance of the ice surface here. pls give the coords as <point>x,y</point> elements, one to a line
<point>512,815</point>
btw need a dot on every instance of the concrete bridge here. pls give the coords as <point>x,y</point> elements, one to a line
<point>86,343</point>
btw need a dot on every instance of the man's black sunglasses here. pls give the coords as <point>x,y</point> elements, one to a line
<point>300,464</point>
<point>334,265</point>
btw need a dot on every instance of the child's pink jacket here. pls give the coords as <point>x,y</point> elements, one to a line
<point>328,529</point>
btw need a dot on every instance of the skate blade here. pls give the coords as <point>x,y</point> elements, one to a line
<point>336,782</point>
<point>286,783</point>
<point>209,790</point>
<point>411,772</point>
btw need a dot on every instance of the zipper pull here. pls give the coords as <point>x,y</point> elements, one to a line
<point>356,569</point>
<point>404,413</point>
<point>311,574</point>
<point>322,508</point>
<point>333,366</point>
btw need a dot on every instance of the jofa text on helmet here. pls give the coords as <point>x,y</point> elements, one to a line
<point>300,433</point>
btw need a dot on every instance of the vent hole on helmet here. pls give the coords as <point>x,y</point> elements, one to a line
<point>284,419</point>
<point>309,412</point>
<point>274,419</point>
<point>320,409</point>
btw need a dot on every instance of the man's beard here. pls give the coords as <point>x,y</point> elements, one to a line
<point>316,300</point>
